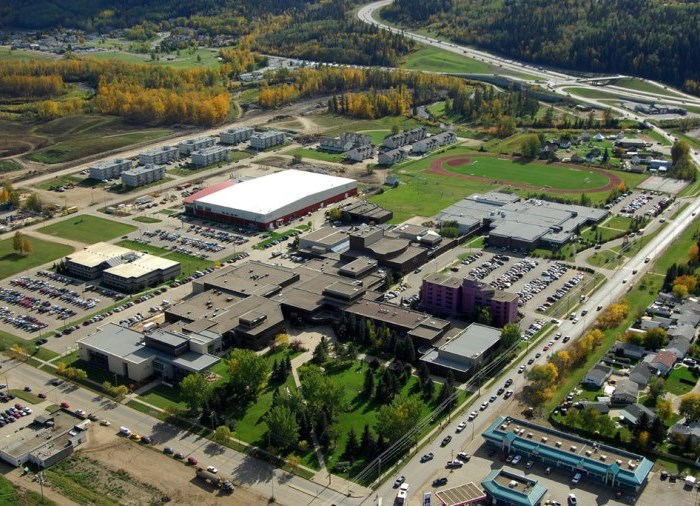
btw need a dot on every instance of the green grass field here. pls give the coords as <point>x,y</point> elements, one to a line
<point>534,173</point>
<point>7,54</point>
<point>589,93</point>
<point>424,194</point>
<point>316,155</point>
<point>42,252</point>
<point>674,384</point>
<point>639,85</point>
<point>147,219</point>
<point>66,180</point>
<point>432,59</point>
<point>87,229</point>
<point>200,58</point>
<point>188,263</point>
<point>9,166</point>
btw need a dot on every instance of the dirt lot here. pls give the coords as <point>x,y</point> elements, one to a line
<point>133,474</point>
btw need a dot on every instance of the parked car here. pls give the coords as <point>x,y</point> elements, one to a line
<point>427,457</point>
<point>192,461</point>
<point>576,479</point>
<point>399,481</point>
<point>446,441</point>
<point>438,482</point>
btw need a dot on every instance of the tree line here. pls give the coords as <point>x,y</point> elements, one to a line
<point>650,39</point>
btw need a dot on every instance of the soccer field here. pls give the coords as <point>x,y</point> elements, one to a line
<point>533,174</point>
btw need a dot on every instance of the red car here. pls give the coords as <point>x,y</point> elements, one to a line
<point>42,396</point>
<point>192,460</point>
<point>65,405</point>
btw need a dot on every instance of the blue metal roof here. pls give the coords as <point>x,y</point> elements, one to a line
<point>513,495</point>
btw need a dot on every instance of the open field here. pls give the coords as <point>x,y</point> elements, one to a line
<point>434,59</point>
<point>188,263</point>
<point>87,229</point>
<point>199,58</point>
<point>9,166</point>
<point>315,154</point>
<point>589,93</point>
<point>644,86</point>
<point>42,252</point>
<point>72,137</point>
<point>7,54</point>
<point>680,381</point>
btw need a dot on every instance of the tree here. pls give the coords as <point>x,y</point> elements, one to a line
<point>484,316</point>
<point>510,335</point>
<point>368,385</point>
<point>657,388</point>
<point>690,407</point>
<point>664,409</point>
<point>27,245</point>
<point>18,242</point>
<point>399,417</point>
<point>222,435</point>
<point>680,291</point>
<point>248,372</point>
<point>530,147</point>
<point>195,391</point>
<point>33,203</point>
<point>320,355</point>
<point>352,446</point>
<point>368,445</point>
<point>546,374</point>
<point>655,338</point>
<point>282,427</point>
<point>322,394</point>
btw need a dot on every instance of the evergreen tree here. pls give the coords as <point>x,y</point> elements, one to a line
<point>368,445</point>
<point>368,386</point>
<point>351,446</point>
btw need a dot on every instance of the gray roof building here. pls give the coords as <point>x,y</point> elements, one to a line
<point>597,376</point>
<point>633,412</point>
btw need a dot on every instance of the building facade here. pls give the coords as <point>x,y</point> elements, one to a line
<point>404,138</point>
<point>210,156</point>
<point>110,169</point>
<point>143,175</point>
<point>264,140</point>
<point>235,135</point>
<point>190,145</point>
<point>361,153</point>
<point>159,156</point>
<point>391,157</point>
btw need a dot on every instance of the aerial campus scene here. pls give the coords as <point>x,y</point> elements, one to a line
<point>349,253</point>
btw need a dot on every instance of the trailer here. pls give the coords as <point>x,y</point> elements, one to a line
<point>215,480</point>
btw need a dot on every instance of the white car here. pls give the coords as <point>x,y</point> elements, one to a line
<point>105,423</point>
<point>461,427</point>
<point>576,479</point>
<point>516,460</point>
<point>212,469</point>
<point>124,431</point>
<point>80,412</point>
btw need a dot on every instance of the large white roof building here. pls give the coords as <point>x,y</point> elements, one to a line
<point>273,200</point>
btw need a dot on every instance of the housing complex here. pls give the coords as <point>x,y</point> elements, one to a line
<point>142,175</point>
<point>265,140</point>
<point>159,156</point>
<point>210,156</point>
<point>189,146</point>
<point>236,135</point>
<point>110,169</point>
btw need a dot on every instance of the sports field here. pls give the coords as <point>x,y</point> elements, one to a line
<point>559,178</point>
<point>87,229</point>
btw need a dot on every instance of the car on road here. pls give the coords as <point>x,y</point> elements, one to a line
<point>56,382</point>
<point>212,469</point>
<point>438,482</point>
<point>576,479</point>
<point>493,398</point>
<point>516,460</point>
<point>193,461</point>
<point>464,456</point>
<point>168,451</point>
<point>472,415</point>
<point>399,481</point>
<point>27,388</point>
<point>531,361</point>
<point>647,260</point>
<point>105,423</point>
<point>65,405</point>
<point>548,471</point>
<point>461,427</point>
<point>566,339</point>
<point>427,457</point>
<point>454,464</point>
<point>624,281</point>
<point>500,391</point>
<point>521,369</point>
<point>446,440</point>
<point>508,383</point>
<point>572,500</point>
<point>508,394</point>
<point>484,406</point>
<point>124,431</point>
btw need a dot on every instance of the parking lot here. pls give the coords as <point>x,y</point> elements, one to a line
<point>644,203</point>
<point>41,301</point>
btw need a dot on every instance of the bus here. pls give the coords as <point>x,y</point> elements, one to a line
<point>70,210</point>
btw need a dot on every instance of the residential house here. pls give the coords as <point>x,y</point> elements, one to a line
<point>392,181</point>
<point>663,361</point>
<point>585,137</point>
<point>598,137</point>
<point>621,348</point>
<point>632,413</point>
<point>679,346</point>
<point>601,407</point>
<point>686,429</point>
<point>641,374</point>
<point>391,157</point>
<point>626,392</point>
<point>361,153</point>
<point>334,144</point>
<point>597,376</point>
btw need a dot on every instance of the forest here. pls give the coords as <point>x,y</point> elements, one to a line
<point>637,37</point>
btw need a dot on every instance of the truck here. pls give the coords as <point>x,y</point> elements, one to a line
<point>403,494</point>
<point>214,480</point>
<point>70,210</point>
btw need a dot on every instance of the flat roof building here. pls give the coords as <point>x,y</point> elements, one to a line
<point>189,146</point>
<point>137,356</point>
<point>366,212</point>
<point>613,467</point>
<point>159,156</point>
<point>324,240</point>
<point>142,175</point>
<point>210,156</point>
<point>512,487</point>
<point>465,353</point>
<point>110,169</point>
<point>235,135</point>
<point>273,200</point>
<point>264,140</point>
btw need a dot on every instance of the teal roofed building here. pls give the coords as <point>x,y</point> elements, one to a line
<point>507,487</point>
<point>614,467</point>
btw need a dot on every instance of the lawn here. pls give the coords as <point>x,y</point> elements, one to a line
<point>188,263</point>
<point>147,219</point>
<point>10,495</point>
<point>199,58</point>
<point>605,258</point>
<point>276,236</point>
<point>637,84</point>
<point>677,252</point>
<point>432,59</point>
<point>589,93</point>
<point>85,182</point>
<point>675,383</point>
<point>316,154</point>
<point>43,252</point>
<point>163,397</point>
<point>87,229</point>
<point>9,166</point>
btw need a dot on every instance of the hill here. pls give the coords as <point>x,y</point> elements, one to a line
<point>647,38</point>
